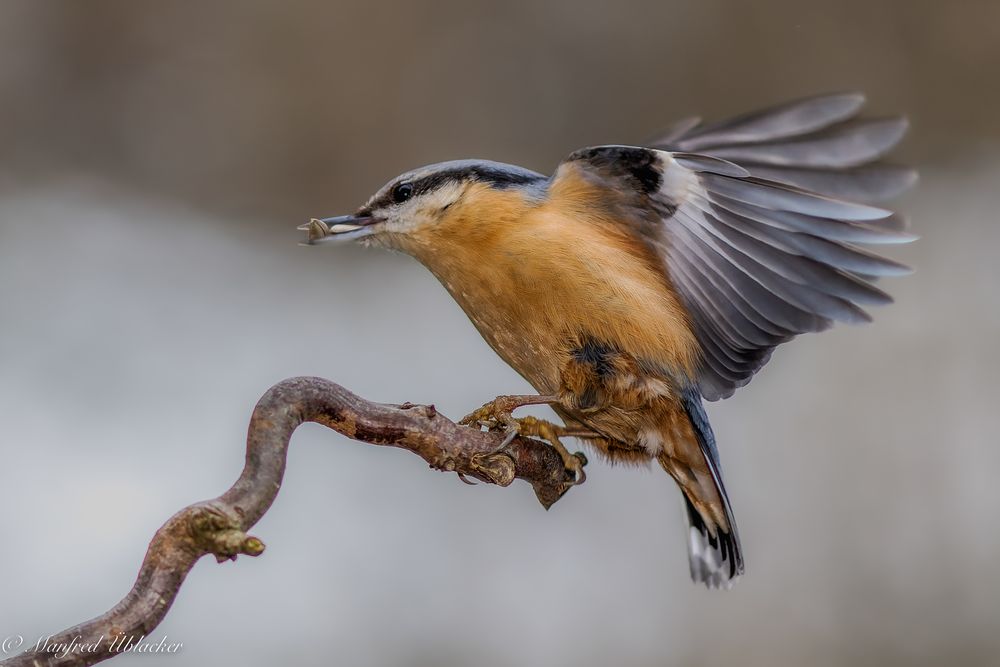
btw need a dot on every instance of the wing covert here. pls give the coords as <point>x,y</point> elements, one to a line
<point>756,257</point>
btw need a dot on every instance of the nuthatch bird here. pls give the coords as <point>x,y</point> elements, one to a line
<point>637,281</point>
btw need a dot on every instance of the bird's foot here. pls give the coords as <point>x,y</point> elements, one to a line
<point>498,411</point>
<point>539,428</point>
<point>496,415</point>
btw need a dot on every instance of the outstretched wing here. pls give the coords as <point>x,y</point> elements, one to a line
<point>756,256</point>
<point>814,143</point>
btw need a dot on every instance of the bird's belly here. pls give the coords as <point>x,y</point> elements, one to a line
<point>537,294</point>
<point>537,322</point>
<point>535,354</point>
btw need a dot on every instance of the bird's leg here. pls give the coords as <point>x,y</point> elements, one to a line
<point>498,413</point>
<point>533,426</point>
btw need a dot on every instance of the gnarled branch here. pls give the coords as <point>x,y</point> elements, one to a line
<point>219,526</point>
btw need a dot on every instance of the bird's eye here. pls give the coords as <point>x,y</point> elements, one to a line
<point>402,192</point>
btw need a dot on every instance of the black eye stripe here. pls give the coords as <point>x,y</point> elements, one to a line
<point>401,192</point>
<point>493,177</point>
<point>496,178</point>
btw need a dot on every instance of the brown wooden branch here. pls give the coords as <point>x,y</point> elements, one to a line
<point>219,526</point>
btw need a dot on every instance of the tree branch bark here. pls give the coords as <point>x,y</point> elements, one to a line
<point>219,526</point>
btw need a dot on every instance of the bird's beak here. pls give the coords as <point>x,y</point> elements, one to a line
<point>339,228</point>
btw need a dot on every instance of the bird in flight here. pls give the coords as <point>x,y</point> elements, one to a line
<point>637,281</point>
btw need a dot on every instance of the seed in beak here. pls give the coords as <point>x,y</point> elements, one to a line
<point>316,229</point>
<point>341,228</point>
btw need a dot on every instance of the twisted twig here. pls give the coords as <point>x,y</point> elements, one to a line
<point>219,526</point>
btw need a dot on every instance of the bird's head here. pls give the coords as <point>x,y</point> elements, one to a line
<point>417,209</point>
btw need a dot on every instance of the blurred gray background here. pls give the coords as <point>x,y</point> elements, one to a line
<point>156,160</point>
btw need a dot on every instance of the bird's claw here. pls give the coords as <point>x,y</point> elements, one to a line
<point>509,438</point>
<point>498,411</point>
<point>466,480</point>
<point>497,414</point>
<point>551,433</point>
<point>576,467</point>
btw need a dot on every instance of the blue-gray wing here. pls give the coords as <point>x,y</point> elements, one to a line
<point>756,257</point>
<point>817,144</point>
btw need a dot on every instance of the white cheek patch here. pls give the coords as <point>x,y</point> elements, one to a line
<point>442,197</point>
<point>424,209</point>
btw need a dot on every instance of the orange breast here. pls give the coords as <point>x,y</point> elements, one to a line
<point>534,276</point>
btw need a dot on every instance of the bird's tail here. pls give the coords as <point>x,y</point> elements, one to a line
<point>715,561</point>
<point>714,551</point>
